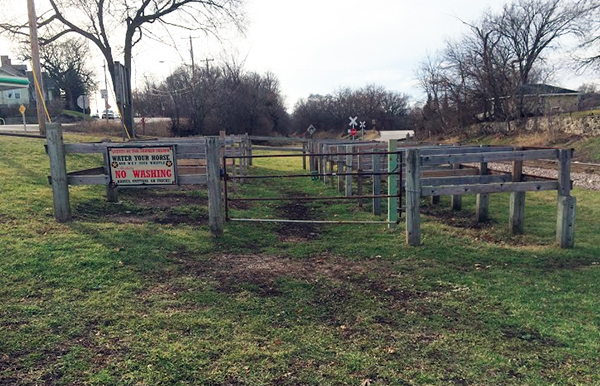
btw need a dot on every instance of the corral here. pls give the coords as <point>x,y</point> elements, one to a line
<point>139,290</point>
<point>413,171</point>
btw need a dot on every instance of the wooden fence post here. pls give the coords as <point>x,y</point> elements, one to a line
<point>215,217</point>
<point>483,200</point>
<point>359,179</point>
<point>413,197</point>
<point>320,162</point>
<point>58,173</point>
<point>311,158</point>
<point>340,168</point>
<point>516,221</point>
<point>376,184</point>
<point>392,181</point>
<point>304,144</point>
<point>456,200</point>
<point>565,221</point>
<point>249,149</point>
<point>349,158</point>
<point>331,167</point>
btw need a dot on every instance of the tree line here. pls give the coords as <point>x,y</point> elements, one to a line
<point>379,108</point>
<point>484,75</point>
<point>206,100</point>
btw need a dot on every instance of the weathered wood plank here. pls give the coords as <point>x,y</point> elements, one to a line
<point>413,198</point>
<point>442,151</point>
<point>99,179</point>
<point>564,172</point>
<point>483,200</point>
<point>392,182</point>
<point>490,188</point>
<point>58,173</point>
<point>449,173</point>
<point>376,184</point>
<point>456,199</point>
<point>465,180</point>
<point>340,179</point>
<point>521,155</point>
<point>215,216</point>
<point>516,220</point>
<point>565,222</point>
<point>192,179</point>
<point>349,157</point>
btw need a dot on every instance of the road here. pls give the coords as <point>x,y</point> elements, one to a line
<point>31,129</point>
<point>385,135</point>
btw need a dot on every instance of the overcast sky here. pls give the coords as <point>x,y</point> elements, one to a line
<point>319,46</point>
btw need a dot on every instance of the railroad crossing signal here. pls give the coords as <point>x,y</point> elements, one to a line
<point>353,122</point>
<point>362,125</point>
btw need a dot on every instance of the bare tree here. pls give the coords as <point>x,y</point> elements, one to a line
<point>66,62</point>
<point>330,112</point>
<point>116,26</point>
<point>483,74</point>
<point>531,27</point>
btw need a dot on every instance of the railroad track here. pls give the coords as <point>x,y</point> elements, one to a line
<point>576,167</point>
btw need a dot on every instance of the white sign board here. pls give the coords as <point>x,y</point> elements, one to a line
<point>104,94</point>
<point>134,166</point>
<point>83,101</point>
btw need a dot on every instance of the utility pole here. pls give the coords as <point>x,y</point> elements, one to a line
<point>106,96</point>
<point>37,69</point>
<point>207,60</point>
<point>192,55</point>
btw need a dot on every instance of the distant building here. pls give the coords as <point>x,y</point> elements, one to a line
<point>24,96</point>
<point>544,99</point>
<point>13,76</point>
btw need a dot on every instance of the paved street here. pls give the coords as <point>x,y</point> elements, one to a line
<point>31,129</point>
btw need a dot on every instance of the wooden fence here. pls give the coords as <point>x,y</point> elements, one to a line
<point>413,169</point>
<point>435,170</point>
<point>198,163</point>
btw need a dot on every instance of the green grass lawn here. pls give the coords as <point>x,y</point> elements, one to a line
<point>140,293</point>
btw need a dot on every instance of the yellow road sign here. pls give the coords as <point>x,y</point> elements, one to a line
<point>22,109</point>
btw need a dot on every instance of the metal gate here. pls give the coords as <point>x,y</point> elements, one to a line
<point>314,174</point>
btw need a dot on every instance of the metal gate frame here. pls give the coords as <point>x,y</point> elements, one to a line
<point>226,177</point>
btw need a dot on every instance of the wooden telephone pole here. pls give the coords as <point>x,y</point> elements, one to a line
<point>37,69</point>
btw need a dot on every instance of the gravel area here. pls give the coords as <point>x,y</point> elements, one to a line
<point>582,180</point>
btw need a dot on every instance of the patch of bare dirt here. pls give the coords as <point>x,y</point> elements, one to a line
<point>457,219</point>
<point>296,210</point>
<point>262,271</point>
<point>166,218</point>
<point>144,206</point>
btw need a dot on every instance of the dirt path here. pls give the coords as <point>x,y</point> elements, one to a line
<point>296,210</point>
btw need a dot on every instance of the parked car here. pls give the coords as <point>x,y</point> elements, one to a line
<point>108,114</point>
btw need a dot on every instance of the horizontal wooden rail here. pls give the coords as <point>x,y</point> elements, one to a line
<point>102,179</point>
<point>277,139</point>
<point>535,186</point>
<point>465,180</point>
<point>254,147</point>
<point>197,145</point>
<point>489,157</point>
<point>463,150</point>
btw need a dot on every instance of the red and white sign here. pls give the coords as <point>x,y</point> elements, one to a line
<point>132,166</point>
<point>353,132</point>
